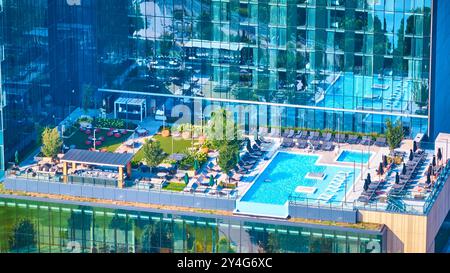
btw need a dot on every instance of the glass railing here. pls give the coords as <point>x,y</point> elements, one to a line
<point>394,205</point>
<point>129,185</point>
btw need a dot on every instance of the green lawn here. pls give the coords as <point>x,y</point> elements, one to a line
<point>179,146</point>
<point>174,186</point>
<point>110,143</point>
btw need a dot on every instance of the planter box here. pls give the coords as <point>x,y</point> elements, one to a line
<point>186,135</point>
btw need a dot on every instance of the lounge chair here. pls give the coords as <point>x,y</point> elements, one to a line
<point>253,152</point>
<point>316,145</point>
<point>291,134</point>
<point>287,143</point>
<point>328,146</point>
<point>340,138</point>
<point>314,136</point>
<point>367,141</point>
<point>302,144</point>
<point>327,137</point>
<point>240,170</point>
<point>259,142</point>
<point>298,135</point>
<point>381,142</point>
<point>286,133</point>
<point>304,135</point>
<point>353,139</point>
<point>245,164</point>
<point>264,140</point>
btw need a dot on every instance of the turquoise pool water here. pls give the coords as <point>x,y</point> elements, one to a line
<point>354,156</point>
<point>287,171</point>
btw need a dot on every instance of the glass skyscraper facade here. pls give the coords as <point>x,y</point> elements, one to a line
<point>335,64</point>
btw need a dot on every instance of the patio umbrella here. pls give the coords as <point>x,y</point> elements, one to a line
<point>366,185</point>
<point>211,181</point>
<point>430,169</point>
<point>196,165</point>
<point>368,179</point>
<point>428,179</point>
<point>411,155</point>
<point>434,161</point>
<point>397,178</point>
<point>414,146</point>
<point>380,169</point>
<point>385,162</point>
<point>404,169</point>
<point>186,178</point>
<point>439,154</point>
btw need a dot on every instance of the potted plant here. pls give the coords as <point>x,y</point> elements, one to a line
<point>186,134</point>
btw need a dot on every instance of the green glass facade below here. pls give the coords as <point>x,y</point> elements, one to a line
<point>30,226</point>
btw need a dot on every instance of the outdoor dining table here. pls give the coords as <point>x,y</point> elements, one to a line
<point>161,174</point>
<point>180,175</point>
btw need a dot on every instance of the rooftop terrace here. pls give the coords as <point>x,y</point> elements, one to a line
<point>343,173</point>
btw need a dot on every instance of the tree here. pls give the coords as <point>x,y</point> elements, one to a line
<point>51,142</point>
<point>23,235</point>
<point>227,157</point>
<point>153,154</point>
<point>394,134</point>
<point>221,129</point>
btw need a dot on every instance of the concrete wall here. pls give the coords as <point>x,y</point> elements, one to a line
<point>324,214</point>
<point>128,195</point>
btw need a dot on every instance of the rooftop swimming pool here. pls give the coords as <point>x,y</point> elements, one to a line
<point>297,174</point>
<point>349,156</point>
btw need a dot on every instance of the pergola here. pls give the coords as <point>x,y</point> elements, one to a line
<point>85,157</point>
<point>128,106</point>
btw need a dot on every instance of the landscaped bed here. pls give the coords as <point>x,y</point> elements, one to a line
<point>111,143</point>
<point>179,146</point>
<point>174,186</point>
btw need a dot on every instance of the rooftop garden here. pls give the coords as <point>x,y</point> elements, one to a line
<point>109,134</point>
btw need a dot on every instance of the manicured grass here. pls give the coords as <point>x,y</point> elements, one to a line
<point>179,146</point>
<point>110,144</point>
<point>174,186</point>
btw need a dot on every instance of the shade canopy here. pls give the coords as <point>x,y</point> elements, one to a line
<point>97,158</point>
<point>196,164</point>
<point>428,179</point>
<point>380,169</point>
<point>439,154</point>
<point>397,178</point>
<point>211,181</point>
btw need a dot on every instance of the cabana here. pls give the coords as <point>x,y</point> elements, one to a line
<point>130,108</point>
